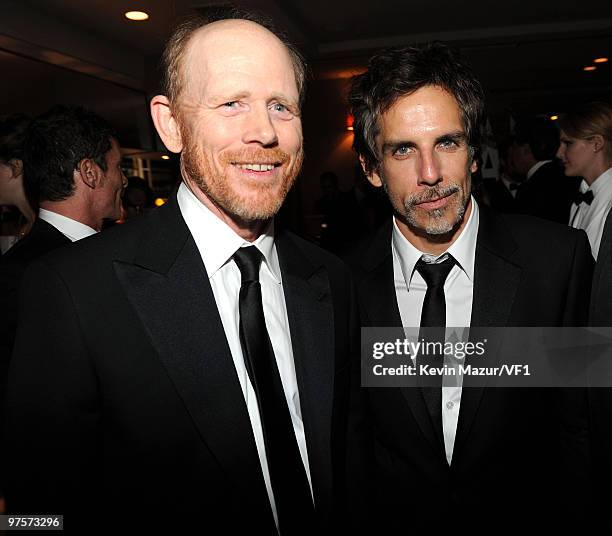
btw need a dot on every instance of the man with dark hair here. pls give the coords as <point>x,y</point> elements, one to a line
<point>447,456</point>
<point>72,169</point>
<point>192,368</point>
<point>545,191</point>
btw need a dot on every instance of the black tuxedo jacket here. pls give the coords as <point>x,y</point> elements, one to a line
<point>123,399</point>
<point>601,296</point>
<point>601,398</point>
<point>41,239</point>
<point>511,444</point>
<point>498,196</point>
<point>548,193</point>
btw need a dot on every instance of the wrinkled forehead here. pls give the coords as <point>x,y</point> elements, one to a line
<point>224,51</point>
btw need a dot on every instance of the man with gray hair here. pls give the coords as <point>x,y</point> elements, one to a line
<point>449,456</point>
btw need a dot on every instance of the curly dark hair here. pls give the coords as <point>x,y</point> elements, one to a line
<point>56,142</point>
<point>399,71</point>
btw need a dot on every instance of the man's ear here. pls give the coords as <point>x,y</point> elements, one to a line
<point>89,172</point>
<point>371,175</point>
<point>16,166</point>
<point>474,166</point>
<point>165,124</point>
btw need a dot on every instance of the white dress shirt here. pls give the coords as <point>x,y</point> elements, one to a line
<point>217,243</point>
<point>592,217</point>
<point>72,229</point>
<point>410,289</point>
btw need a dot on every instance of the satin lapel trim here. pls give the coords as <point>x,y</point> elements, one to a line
<point>311,325</point>
<point>496,281</point>
<point>179,313</point>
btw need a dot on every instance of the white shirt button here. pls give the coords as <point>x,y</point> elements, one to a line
<point>450,405</point>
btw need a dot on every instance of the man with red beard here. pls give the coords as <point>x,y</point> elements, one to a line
<point>444,456</point>
<point>192,367</point>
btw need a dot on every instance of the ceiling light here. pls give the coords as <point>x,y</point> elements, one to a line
<point>165,157</point>
<point>159,202</point>
<point>600,60</point>
<point>589,68</point>
<point>136,15</point>
<point>554,117</point>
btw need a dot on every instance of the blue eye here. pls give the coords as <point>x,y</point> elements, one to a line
<point>231,104</point>
<point>280,110</point>
<point>402,150</point>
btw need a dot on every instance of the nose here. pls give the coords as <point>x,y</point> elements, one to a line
<point>259,127</point>
<point>561,152</point>
<point>429,168</point>
<point>124,180</point>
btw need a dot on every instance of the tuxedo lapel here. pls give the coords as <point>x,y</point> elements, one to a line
<point>496,280</point>
<point>311,324</point>
<point>168,287</point>
<point>380,309</point>
<point>600,313</point>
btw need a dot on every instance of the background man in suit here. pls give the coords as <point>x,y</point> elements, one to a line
<point>192,365</point>
<point>545,191</point>
<point>458,456</point>
<point>72,167</point>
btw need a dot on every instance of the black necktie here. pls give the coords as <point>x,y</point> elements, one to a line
<point>292,496</point>
<point>433,324</point>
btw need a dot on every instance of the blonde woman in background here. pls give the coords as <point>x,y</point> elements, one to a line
<point>586,151</point>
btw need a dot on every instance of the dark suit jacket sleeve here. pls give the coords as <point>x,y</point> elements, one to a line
<point>51,414</point>
<point>579,289</point>
<point>575,430</point>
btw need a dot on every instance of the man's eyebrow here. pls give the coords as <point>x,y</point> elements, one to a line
<point>221,99</point>
<point>458,136</point>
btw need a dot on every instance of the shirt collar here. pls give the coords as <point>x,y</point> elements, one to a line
<point>535,167</point>
<point>603,182</point>
<point>216,241</point>
<point>71,229</point>
<point>463,249</point>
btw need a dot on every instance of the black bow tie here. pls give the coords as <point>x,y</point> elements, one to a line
<point>514,186</point>
<point>586,197</point>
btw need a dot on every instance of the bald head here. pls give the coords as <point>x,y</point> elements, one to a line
<point>235,47</point>
<point>237,23</point>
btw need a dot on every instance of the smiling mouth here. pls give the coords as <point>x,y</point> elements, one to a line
<point>256,167</point>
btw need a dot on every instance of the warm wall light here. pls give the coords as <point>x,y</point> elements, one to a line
<point>554,117</point>
<point>589,68</point>
<point>136,15</point>
<point>165,157</point>
<point>600,60</point>
<point>159,202</point>
<point>349,121</point>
